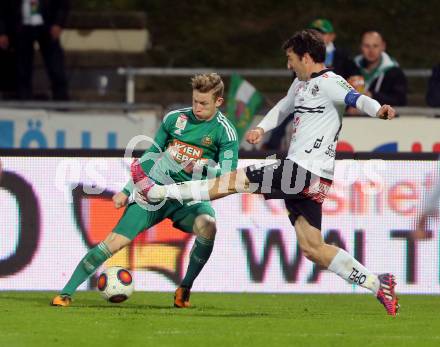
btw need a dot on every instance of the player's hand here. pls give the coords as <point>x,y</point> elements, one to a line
<point>120,199</point>
<point>422,232</point>
<point>254,136</point>
<point>386,112</point>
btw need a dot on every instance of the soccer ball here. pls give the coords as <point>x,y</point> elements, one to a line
<point>115,284</point>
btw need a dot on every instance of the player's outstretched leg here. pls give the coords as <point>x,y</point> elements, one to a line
<point>140,179</point>
<point>88,265</point>
<point>344,265</point>
<point>202,190</point>
<point>386,294</point>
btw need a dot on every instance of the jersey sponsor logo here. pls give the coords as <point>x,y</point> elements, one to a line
<point>344,85</point>
<point>331,152</point>
<point>181,121</point>
<point>207,140</point>
<point>183,152</point>
<point>316,145</point>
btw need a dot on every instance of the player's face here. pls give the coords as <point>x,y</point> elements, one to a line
<point>372,47</point>
<point>205,105</point>
<point>297,64</point>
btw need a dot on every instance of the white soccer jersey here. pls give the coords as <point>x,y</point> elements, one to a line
<point>318,106</point>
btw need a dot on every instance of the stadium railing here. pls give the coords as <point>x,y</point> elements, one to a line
<point>78,106</point>
<point>131,74</point>
<point>130,107</point>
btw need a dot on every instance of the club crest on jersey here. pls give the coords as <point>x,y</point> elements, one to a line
<point>206,140</point>
<point>315,90</point>
<point>181,123</point>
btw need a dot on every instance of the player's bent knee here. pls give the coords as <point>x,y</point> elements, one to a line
<point>205,226</point>
<point>115,242</point>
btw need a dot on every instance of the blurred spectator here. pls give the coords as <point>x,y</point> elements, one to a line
<point>22,22</point>
<point>336,58</point>
<point>433,94</point>
<point>7,55</point>
<point>384,79</point>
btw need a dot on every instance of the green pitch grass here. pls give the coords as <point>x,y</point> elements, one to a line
<point>147,319</point>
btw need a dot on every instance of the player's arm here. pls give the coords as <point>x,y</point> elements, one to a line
<point>227,156</point>
<point>274,117</point>
<point>340,92</point>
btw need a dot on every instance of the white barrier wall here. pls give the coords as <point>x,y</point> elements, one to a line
<point>46,228</point>
<point>51,129</point>
<point>47,129</point>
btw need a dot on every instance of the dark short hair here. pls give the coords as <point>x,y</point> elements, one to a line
<point>372,31</point>
<point>307,41</point>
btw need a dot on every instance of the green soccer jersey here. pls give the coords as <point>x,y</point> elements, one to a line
<point>212,144</point>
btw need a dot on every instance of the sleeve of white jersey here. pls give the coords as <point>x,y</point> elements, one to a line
<point>341,92</point>
<point>280,111</point>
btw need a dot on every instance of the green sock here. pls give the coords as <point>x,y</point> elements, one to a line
<point>86,267</point>
<point>200,254</point>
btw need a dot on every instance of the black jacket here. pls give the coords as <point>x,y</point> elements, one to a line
<point>53,12</point>
<point>433,93</point>
<point>390,88</point>
<point>343,65</point>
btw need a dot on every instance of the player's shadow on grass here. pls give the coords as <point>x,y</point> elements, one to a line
<point>33,299</point>
<point>193,311</point>
<point>126,307</point>
<point>229,315</point>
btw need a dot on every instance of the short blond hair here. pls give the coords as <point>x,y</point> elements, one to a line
<point>207,82</point>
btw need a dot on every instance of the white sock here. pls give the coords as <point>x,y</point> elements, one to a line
<point>345,266</point>
<point>190,190</point>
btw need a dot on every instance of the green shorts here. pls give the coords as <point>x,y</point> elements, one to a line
<point>136,219</point>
